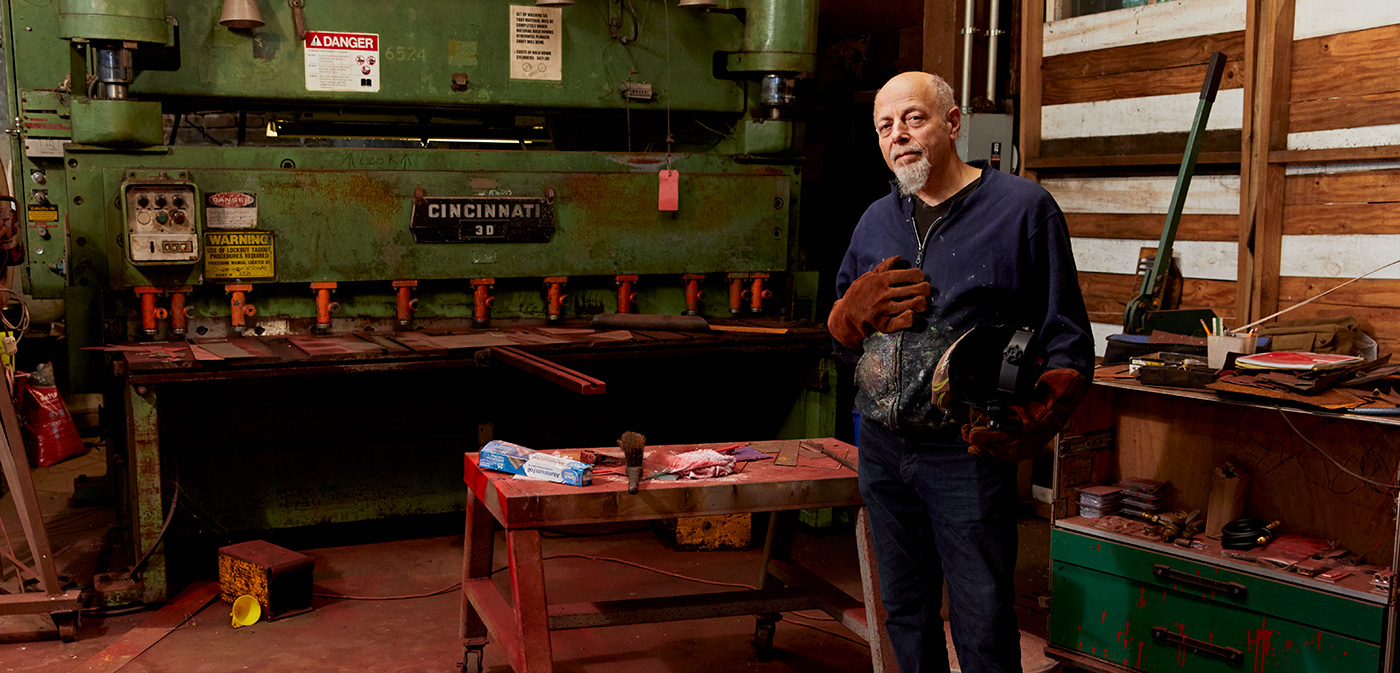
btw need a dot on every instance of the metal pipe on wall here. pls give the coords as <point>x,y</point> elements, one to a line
<point>993,34</point>
<point>969,7</point>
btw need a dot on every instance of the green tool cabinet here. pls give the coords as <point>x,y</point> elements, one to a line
<point>1124,602</point>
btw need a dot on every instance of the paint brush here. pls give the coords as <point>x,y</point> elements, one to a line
<point>632,444</point>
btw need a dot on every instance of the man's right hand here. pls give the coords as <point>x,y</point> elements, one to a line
<point>883,299</point>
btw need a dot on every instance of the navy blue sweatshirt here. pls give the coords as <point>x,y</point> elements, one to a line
<point>1001,255</point>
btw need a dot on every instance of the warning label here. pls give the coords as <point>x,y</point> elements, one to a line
<point>342,61</point>
<point>231,210</point>
<point>238,256</point>
<point>535,51</point>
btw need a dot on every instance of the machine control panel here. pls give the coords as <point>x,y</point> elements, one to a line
<point>162,223</point>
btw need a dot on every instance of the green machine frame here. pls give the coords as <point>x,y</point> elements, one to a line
<point>572,112</point>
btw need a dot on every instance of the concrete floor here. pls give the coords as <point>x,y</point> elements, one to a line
<point>420,634</point>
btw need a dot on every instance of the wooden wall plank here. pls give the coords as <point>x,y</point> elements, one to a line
<point>1214,143</point>
<point>1032,35</point>
<point>1169,54</point>
<point>1329,17</point>
<point>1146,226</point>
<point>1182,79</point>
<point>1106,294</point>
<point>1340,256</point>
<point>1214,260</point>
<point>1365,293</point>
<point>1142,25</point>
<point>1344,112</point>
<point>1364,138</point>
<point>1341,219</point>
<point>1353,187</point>
<point>1324,52</point>
<point>1149,114</point>
<point>1208,195</point>
<point>1351,75</point>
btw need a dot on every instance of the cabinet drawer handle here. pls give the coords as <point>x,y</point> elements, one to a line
<point>1229,654</point>
<point>1231,589</point>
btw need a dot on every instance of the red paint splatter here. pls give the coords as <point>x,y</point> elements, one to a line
<point>1142,597</point>
<point>1139,656</point>
<point>1103,618</point>
<point>1262,646</point>
<point>1319,641</point>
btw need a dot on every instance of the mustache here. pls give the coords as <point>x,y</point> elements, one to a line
<point>911,148</point>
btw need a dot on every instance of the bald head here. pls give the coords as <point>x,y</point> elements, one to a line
<point>932,89</point>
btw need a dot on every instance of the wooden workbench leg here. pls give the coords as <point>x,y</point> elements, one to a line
<point>143,451</point>
<point>881,655</point>
<point>777,546</point>
<point>531,604</point>
<point>477,556</point>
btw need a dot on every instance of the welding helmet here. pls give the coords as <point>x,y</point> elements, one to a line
<point>987,368</point>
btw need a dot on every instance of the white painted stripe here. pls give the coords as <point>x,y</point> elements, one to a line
<point>1360,136</point>
<point>1171,113</point>
<point>1209,260</point>
<point>1328,169</point>
<point>1101,331</point>
<point>1339,256</point>
<point>1141,25</point>
<point>1208,194</point>
<point>1315,18</point>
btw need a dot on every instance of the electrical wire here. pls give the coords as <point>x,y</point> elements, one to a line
<point>169,516</point>
<point>651,569</point>
<point>1334,461</point>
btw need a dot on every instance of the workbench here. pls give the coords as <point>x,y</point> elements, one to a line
<point>523,507</point>
<point>305,430</point>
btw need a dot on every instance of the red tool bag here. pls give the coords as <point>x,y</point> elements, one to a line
<point>49,431</point>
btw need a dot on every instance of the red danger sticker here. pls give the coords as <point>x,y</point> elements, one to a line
<point>232,200</point>
<point>355,41</point>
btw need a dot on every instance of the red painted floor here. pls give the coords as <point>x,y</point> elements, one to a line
<point>420,634</point>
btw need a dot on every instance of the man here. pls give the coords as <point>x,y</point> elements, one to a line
<point>982,247</point>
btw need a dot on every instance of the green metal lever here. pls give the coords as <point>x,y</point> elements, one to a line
<point>1149,298</point>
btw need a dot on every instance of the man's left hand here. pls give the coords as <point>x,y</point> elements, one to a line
<point>1056,395</point>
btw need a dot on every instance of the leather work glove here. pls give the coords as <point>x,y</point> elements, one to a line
<point>883,299</point>
<point>1029,425</point>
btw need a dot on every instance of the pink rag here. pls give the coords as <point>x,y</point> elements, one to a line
<point>700,464</point>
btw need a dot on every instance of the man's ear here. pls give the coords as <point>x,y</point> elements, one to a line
<point>954,118</point>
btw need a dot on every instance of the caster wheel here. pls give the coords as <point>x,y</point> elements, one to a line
<point>472,660</point>
<point>67,623</point>
<point>763,639</point>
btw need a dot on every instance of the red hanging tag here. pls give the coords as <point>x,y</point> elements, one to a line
<point>668,196</point>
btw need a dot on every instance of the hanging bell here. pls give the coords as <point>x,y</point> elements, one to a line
<point>241,14</point>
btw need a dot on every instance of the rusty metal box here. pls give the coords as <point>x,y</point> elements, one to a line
<point>279,578</point>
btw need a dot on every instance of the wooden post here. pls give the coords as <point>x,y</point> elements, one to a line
<point>1032,44</point>
<point>941,51</point>
<point>1268,66</point>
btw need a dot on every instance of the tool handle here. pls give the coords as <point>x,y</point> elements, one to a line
<point>1214,72</point>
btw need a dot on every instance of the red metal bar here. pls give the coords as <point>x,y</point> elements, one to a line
<point>179,313</point>
<point>482,300</point>
<point>556,297</point>
<point>323,305</point>
<point>757,294</point>
<point>693,295</point>
<point>148,309</point>
<point>406,304</point>
<point>239,308</point>
<point>625,296</point>
<point>736,292</point>
<point>555,373</point>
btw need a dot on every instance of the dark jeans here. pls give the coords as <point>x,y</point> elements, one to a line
<point>938,511</point>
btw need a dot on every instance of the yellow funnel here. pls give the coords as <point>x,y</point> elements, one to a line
<point>246,611</point>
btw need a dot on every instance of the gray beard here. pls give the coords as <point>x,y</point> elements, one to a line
<point>912,177</point>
